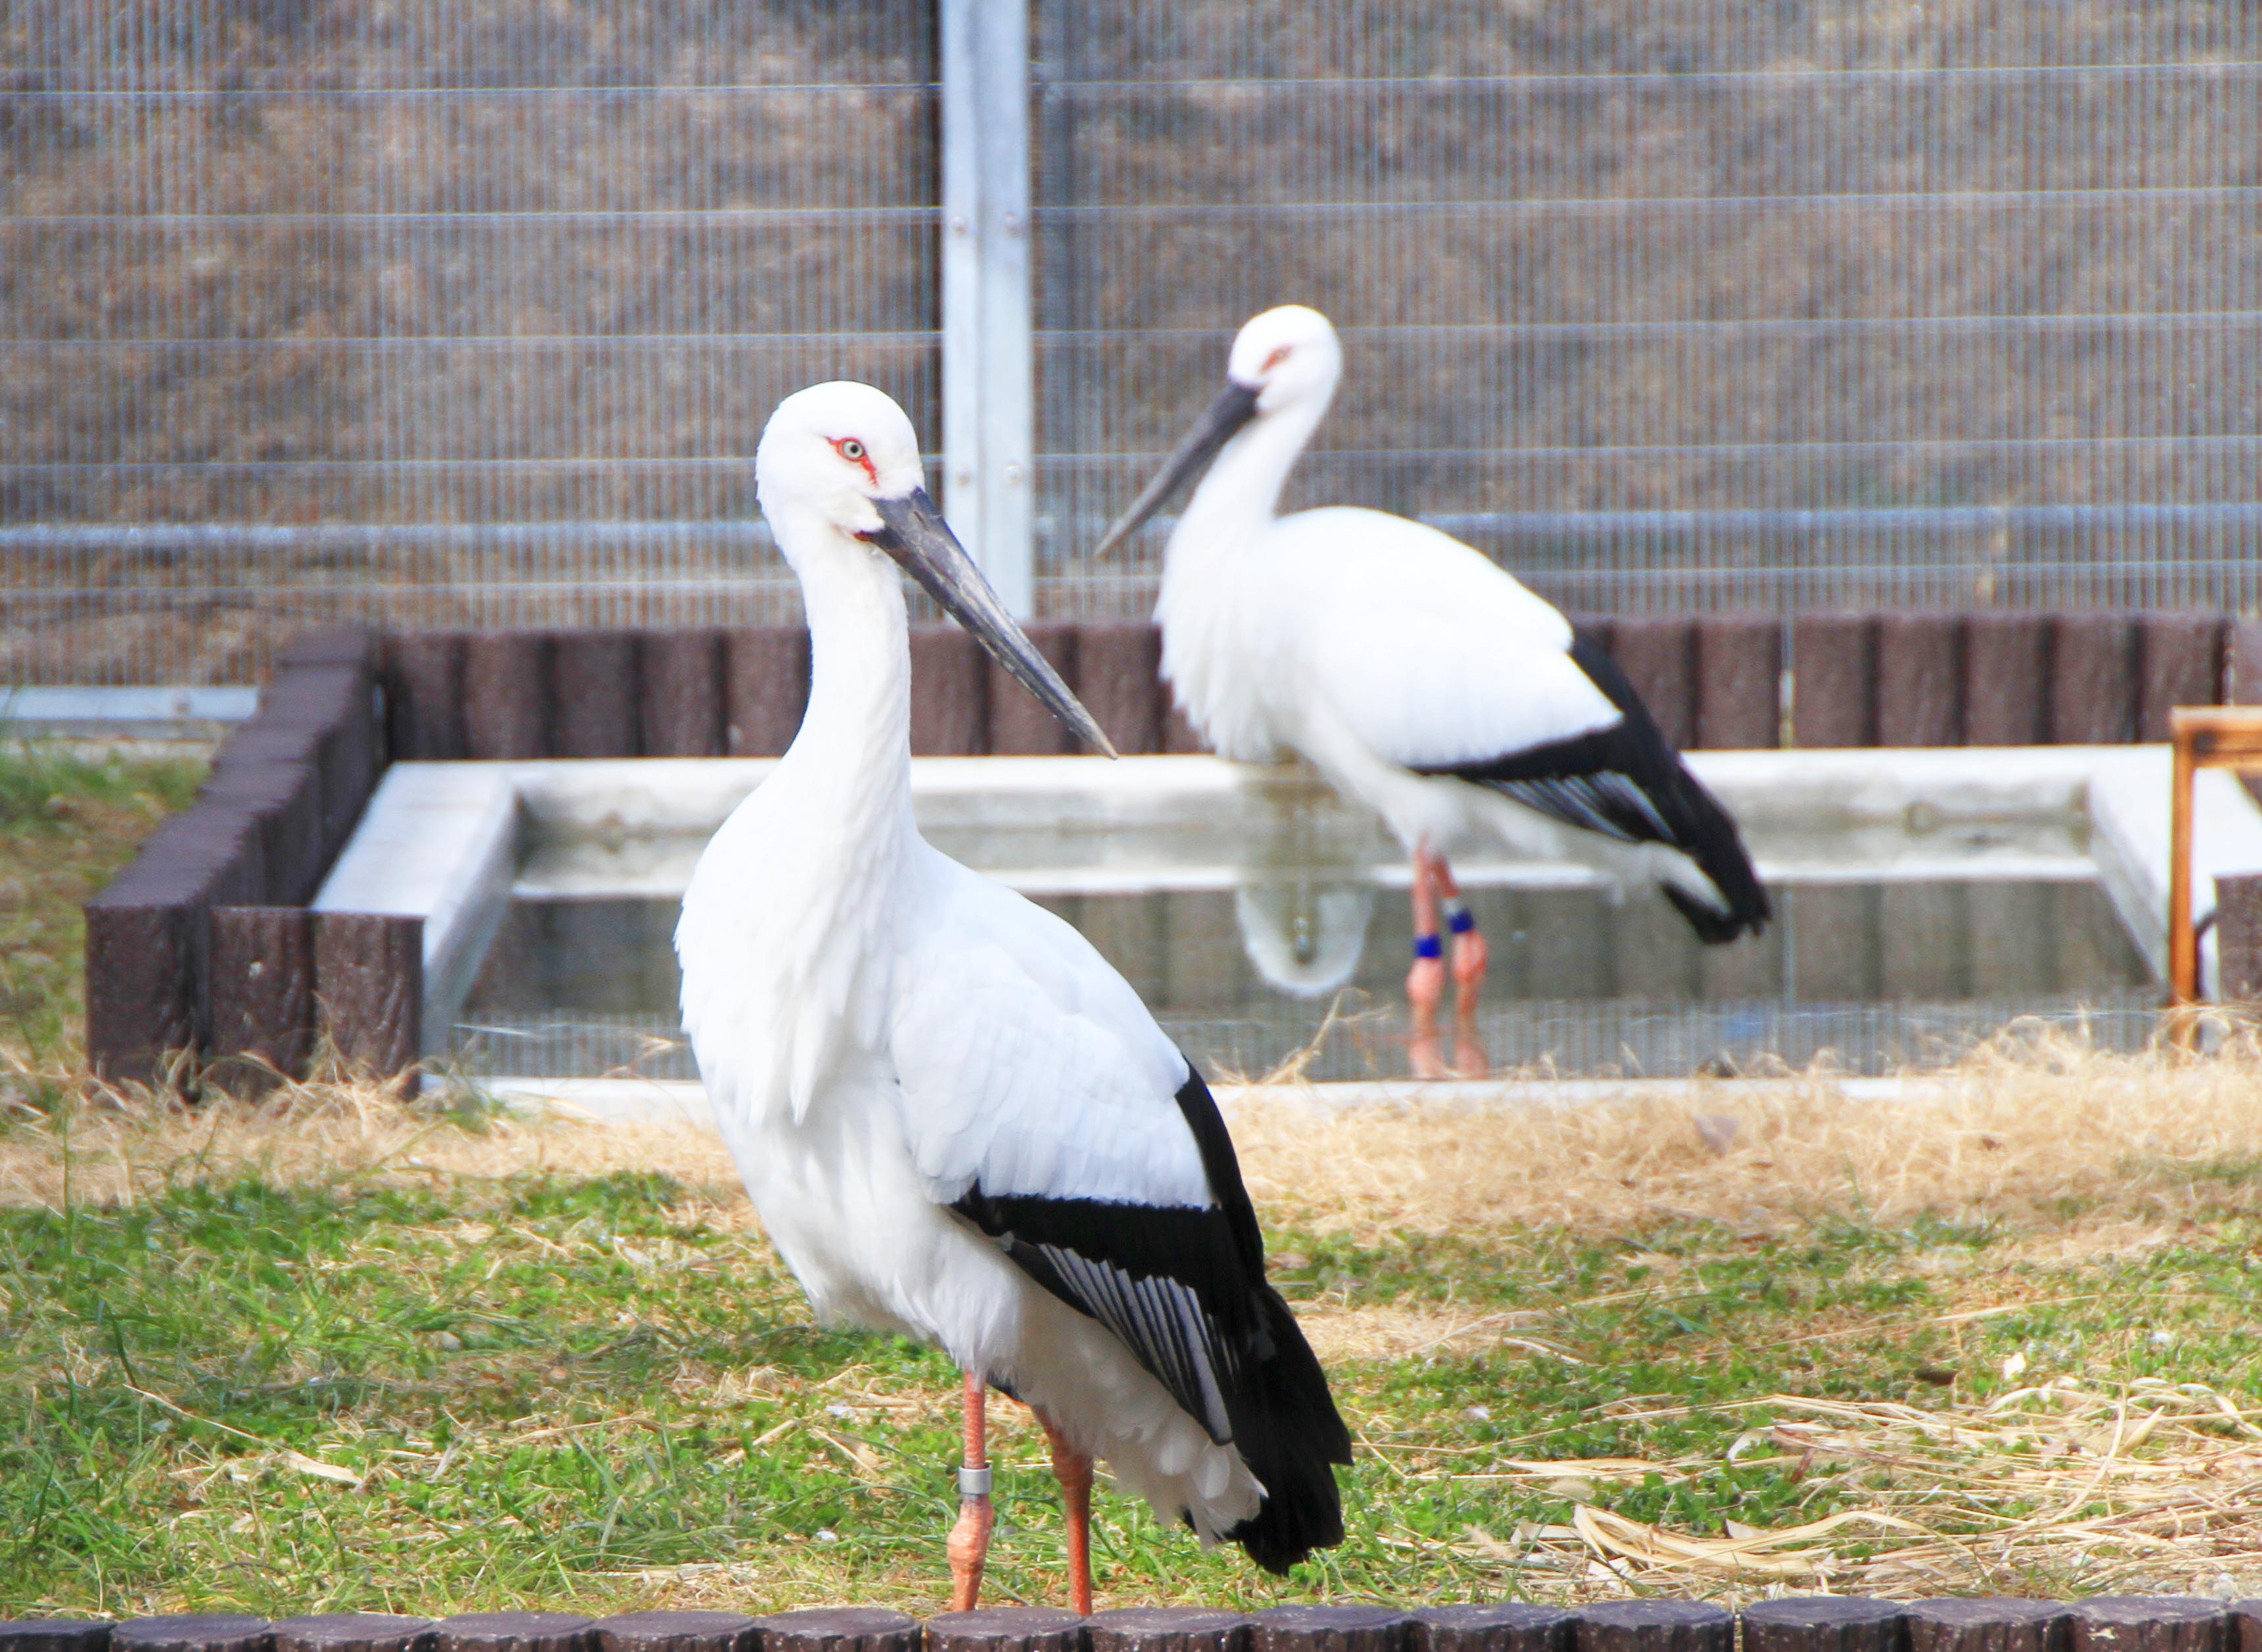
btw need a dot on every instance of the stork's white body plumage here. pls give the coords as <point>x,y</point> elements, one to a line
<point>955,1119</point>
<point>1376,647</point>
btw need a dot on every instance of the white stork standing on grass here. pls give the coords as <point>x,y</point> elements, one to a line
<point>956,1121</point>
<point>1419,677</point>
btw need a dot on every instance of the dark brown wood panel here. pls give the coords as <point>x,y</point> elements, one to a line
<point>1007,1629</point>
<point>354,1631</point>
<point>424,696</point>
<point>514,1632</point>
<point>682,676</point>
<point>1118,666</point>
<point>1340,1628</point>
<point>678,1631</point>
<point>1989,1624</point>
<point>1834,662</point>
<point>2093,692</point>
<point>507,695</point>
<point>765,689</point>
<point>950,693</point>
<point>1824,1623</point>
<point>1020,726</point>
<point>1166,1629</point>
<point>1919,680</point>
<point>2178,662</point>
<point>841,1629</point>
<point>2007,668</point>
<point>1508,1626</point>
<point>263,994</point>
<point>368,986</point>
<point>596,695</point>
<point>1659,659</point>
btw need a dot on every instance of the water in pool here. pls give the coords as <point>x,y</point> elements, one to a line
<point>1881,975</point>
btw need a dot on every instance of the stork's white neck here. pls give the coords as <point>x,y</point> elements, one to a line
<point>1201,602</point>
<point>1241,492</point>
<point>783,940</point>
<point>850,763</point>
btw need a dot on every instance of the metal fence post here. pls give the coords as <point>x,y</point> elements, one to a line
<point>988,361</point>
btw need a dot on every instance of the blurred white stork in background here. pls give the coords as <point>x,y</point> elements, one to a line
<point>1415,674</point>
<point>956,1121</point>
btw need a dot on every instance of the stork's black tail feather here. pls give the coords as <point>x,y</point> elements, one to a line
<point>1183,1287</point>
<point>1627,783</point>
<point>1702,831</point>
<point>1289,1433</point>
<point>1284,1421</point>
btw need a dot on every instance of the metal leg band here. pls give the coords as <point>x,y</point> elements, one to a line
<point>972,1482</point>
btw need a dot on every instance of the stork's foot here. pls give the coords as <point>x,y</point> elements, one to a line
<point>1425,995</point>
<point>969,1550</point>
<point>1470,959</point>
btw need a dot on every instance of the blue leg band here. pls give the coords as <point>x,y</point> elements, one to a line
<point>1428,947</point>
<point>1460,919</point>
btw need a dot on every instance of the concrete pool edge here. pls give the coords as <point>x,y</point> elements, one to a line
<point>440,842</point>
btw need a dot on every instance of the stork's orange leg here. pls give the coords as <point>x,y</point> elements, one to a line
<point>1470,959</point>
<point>1425,982</point>
<point>1073,1470</point>
<point>969,1539</point>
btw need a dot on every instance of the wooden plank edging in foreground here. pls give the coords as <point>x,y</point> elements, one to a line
<point>1797,1623</point>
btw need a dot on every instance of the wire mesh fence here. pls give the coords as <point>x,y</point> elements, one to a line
<point>436,313</point>
<point>1695,305</point>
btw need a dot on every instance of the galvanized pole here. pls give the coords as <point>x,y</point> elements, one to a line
<point>988,360</point>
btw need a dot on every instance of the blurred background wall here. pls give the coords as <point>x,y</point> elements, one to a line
<point>468,311</point>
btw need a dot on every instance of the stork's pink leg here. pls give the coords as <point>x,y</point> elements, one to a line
<point>1073,1470</point>
<point>969,1539</point>
<point>1470,959</point>
<point>1425,982</point>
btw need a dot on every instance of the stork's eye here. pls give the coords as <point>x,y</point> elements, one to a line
<point>1276,359</point>
<point>852,450</point>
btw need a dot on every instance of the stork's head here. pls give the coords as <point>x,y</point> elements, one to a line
<point>1284,364</point>
<point>832,452</point>
<point>1286,356</point>
<point>838,474</point>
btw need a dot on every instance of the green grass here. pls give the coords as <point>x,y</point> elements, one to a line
<point>585,1391</point>
<point>66,824</point>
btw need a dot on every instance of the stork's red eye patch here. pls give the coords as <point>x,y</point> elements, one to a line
<point>850,448</point>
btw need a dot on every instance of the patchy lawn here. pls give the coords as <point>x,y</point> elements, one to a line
<point>334,1354</point>
<point>66,823</point>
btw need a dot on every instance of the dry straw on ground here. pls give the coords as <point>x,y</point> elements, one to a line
<point>2027,1134</point>
<point>2037,1134</point>
<point>2074,1489</point>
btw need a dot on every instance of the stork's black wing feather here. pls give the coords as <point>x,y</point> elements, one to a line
<point>1626,781</point>
<point>1183,1287</point>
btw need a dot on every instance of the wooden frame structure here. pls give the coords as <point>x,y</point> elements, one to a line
<point>2202,737</point>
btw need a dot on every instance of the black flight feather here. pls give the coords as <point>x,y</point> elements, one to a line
<point>1626,781</point>
<point>1184,1289</point>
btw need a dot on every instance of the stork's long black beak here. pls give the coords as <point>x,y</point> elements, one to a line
<point>1235,407</point>
<point>912,531</point>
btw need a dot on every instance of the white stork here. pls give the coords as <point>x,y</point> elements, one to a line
<point>1417,675</point>
<point>956,1121</point>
